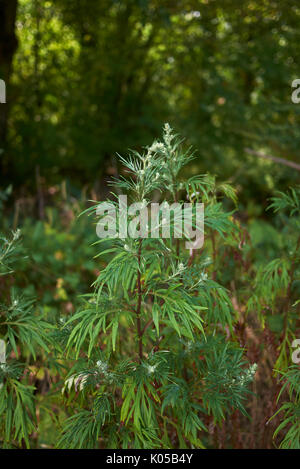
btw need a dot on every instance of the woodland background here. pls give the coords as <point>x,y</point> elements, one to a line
<point>89,79</point>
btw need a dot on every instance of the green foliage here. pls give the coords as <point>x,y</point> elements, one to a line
<point>17,409</point>
<point>19,328</point>
<point>290,411</point>
<point>277,289</point>
<point>276,283</point>
<point>152,293</point>
<point>22,325</point>
<point>220,72</point>
<point>154,354</point>
<point>153,357</point>
<point>8,252</point>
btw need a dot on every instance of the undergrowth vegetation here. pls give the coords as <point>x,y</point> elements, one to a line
<point>142,343</point>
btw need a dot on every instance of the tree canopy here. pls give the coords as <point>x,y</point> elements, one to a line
<point>91,78</point>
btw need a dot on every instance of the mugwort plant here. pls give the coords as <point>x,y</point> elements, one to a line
<point>155,361</point>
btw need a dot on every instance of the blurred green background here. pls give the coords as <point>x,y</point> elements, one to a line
<point>89,78</point>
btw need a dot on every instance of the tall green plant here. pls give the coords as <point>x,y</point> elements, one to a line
<point>153,348</point>
<point>22,333</point>
<point>276,291</point>
<point>288,205</point>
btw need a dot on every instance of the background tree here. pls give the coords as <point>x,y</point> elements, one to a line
<point>8,46</point>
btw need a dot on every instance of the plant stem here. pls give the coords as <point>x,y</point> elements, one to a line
<point>139,304</point>
<point>213,240</point>
<point>289,290</point>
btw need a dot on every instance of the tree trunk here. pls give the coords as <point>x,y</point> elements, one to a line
<point>8,46</point>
